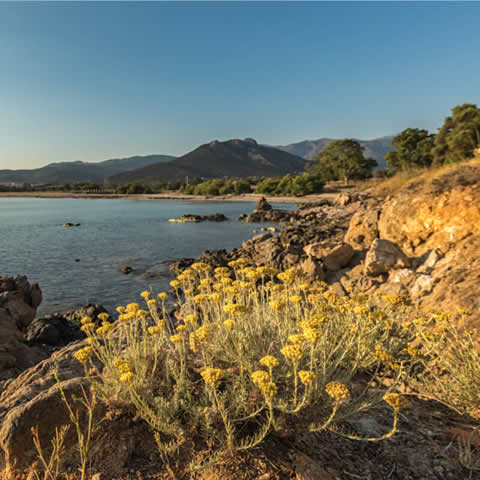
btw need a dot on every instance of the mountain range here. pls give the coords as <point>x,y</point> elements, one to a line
<point>232,158</point>
<point>73,172</point>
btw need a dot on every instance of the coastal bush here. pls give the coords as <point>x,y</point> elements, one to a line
<point>299,185</point>
<point>218,186</point>
<point>255,351</point>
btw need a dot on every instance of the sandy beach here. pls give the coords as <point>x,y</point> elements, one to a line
<point>172,196</point>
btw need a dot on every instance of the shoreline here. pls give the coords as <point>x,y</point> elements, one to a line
<point>250,197</point>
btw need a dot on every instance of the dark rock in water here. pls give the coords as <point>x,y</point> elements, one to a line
<point>191,218</point>
<point>54,331</point>
<point>262,205</point>
<point>71,225</point>
<point>77,259</point>
<point>126,270</point>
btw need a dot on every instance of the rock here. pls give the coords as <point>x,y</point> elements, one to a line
<point>334,258</point>
<point>256,239</point>
<point>262,205</point>
<point>126,270</point>
<point>384,256</point>
<point>363,229</point>
<point>18,305</point>
<point>313,269</point>
<point>54,331</point>
<point>191,218</point>
<point>91,310</point>
<point>66,225</point>
<point>430,260</point>
<point>338,257</point>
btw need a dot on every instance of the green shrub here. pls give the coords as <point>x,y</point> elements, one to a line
<point>299,185</point>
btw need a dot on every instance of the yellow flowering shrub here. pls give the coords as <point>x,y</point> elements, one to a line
<point>207,360</point>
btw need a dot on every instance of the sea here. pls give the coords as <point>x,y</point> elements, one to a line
<point>76,266</point>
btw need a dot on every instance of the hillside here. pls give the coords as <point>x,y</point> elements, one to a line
<point>233,158</point>
<point>57,173</point>
<point>376,148</point>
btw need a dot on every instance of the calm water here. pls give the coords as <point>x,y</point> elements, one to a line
<point>113,233</point>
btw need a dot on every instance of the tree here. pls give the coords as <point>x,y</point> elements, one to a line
<point>413,148</point>
<point>459,135</point>
<point>343,160</point>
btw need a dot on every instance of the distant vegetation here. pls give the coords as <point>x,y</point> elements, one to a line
<point>218,187</point>
<point>298,185</point>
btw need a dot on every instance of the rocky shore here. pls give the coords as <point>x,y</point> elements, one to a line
<point>423,241</point>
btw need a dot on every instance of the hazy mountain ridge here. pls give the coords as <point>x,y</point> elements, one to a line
<point>375,148</point>
<point>232,158</point>
<point>72,172</point>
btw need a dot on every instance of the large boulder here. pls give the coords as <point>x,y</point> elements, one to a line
<point>384,256</point>
<point>18,305</point>
<point>334,258</point>
<point>363,229</point>
<point>262,205</point>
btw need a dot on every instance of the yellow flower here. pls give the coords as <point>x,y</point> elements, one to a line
<point>123,365</point>
<point>212,376</point>
<point>181,328</point>
<point>305,287</point>
<point>87,327</point>
<point>396,401</point>
<point>463,311</point>
<point>191,318</point>
<point>277,305</point>
<point>260,377</point>
<point>235,308</point>
<point>226,281</point>
<point>295,299</point>
<point>175,284</point>
<point>202,333</point>
<point>152,303</point>
<point>269,361</point>
<point>142,313</point>
<point>145,294</point>
<point>312,334</point>
<point>296,339</point>
<point>84,354</point>
<point>201,267</point>
<point>177,338</point>
<point>194,343</point>
<point>222,270</point>
<point>154,330</point>
<point>338,391</point>
<point>206,281</point>
<point>200,298</point>
<point>230,324</point>
<point>127,378</point>
<point>120,310</point>
<point>163,296</point>
<point>189,291</point>
<point>105,329</point>
<point>292,352</point>
<point>306,376</point>
<point>85,320</point>
<point>215,297</point>
<point>103,316</point>
<point>133,307</point>
<point>269,389</point>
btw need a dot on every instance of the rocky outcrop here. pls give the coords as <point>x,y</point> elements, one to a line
<point>264,212</point>
<point>18,304</point>
<point>334,258</point>
<point>363,229</point>
<point>384,256</point>
<point>191,218</point>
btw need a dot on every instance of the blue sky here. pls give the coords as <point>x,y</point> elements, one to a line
<point>91,81</point>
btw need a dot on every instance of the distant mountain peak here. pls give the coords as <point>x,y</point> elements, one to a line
<point>216,159</point>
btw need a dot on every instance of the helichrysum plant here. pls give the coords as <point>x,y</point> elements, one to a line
<point>254,350</point>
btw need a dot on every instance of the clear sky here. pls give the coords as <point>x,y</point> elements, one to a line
<point>91,81</point>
